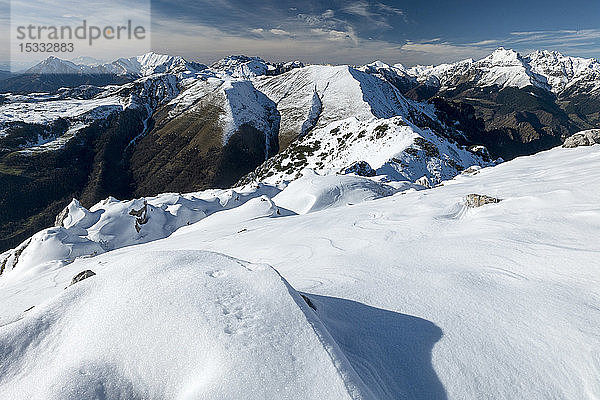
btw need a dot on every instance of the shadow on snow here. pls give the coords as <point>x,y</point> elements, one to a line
<point>390,351</point>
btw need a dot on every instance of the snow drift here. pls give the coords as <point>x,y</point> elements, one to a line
<point>177,325</point>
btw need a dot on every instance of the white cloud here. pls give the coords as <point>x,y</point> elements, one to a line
<point>280,32</point>
<point>488,42</point>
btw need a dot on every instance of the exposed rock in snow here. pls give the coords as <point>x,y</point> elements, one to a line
<point>360,168</point>
<point>478,200</point>
<point>425,182</point>
<point>81,276</point>
<point>585,138</point>
<point>472,170</point>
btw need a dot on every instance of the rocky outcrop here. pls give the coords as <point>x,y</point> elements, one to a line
<point>425,181</point>
<point>141,216</point>
<point>360,168</point>
<point>81,276</point>
<point>12,258</point>
<point>584,138</point>
<point>60,218</point>
<point>478,200</point>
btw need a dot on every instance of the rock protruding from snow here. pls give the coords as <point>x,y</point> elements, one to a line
<point>478,200</point>
<point>179,324</point>
<point>360,168</point>
<point>81,276</point>
<point>584,138</point>
<point>141,216</point>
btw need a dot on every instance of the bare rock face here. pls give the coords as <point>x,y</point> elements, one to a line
<point>425,181</point>
<point>61,216</point>
<point>478,200</point>
<point>141,216</point>
<point>584,138</point>
<point>472,170</point>
<point>360,168</point>
<point>81,276</point>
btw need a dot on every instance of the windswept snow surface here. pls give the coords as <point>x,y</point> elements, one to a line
<point>177,325</point>
<point>425,298</point>
<point>313,192</point>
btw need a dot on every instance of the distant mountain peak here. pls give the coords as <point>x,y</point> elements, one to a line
<point>54,65</point>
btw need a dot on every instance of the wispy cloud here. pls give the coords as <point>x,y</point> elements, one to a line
<point>375,13</point>
<point>585,42</point>
<point>435,51</point>
<point>313,45</point>
<point>351,25</point>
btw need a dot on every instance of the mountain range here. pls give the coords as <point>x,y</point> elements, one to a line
<point>156,123</point>
<point>256,230</point>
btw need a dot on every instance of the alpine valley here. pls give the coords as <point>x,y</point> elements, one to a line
<point>252,229</point>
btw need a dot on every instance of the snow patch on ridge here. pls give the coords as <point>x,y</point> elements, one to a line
<point>111,224</point>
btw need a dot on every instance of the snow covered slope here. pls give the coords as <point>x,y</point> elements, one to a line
<point>185,325</point>
<point>394,148</point>
<point>424,296</point>
<point>78,109</point>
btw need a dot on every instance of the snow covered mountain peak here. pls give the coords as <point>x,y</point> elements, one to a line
<point>152,63</point>
<point>139,66</point>
<point>548,70</point>
<point>379,64</point>
<point>561,71</point>
<point>54,65</point>
<point>240,66</point>
<point>502,56</point>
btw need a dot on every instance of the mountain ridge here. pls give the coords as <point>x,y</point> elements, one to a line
<point>184,126</point>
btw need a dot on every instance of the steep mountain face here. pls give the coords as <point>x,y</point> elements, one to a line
<point>235,116</point>
<point>228,130</point>
<point>513,104</point>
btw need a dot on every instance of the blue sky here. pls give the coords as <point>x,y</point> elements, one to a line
<point>394,31</point>
<point>356,32</point>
